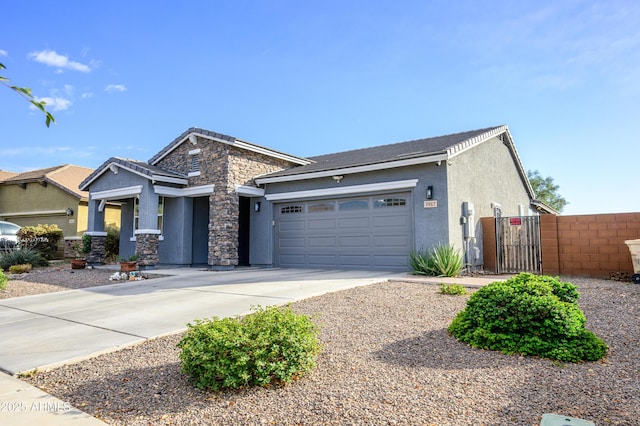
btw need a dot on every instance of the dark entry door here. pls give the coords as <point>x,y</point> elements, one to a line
<point>200,239</point>
<point>244,215</point>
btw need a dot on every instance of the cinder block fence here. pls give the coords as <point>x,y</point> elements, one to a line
<point>581,245</point>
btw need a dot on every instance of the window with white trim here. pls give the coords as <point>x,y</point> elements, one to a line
<point>160,213</point>
<point>136,213</point>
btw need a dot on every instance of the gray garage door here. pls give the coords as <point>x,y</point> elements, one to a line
<point>353,233</point>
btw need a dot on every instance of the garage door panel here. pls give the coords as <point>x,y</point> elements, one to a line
<point>328,260</point>
<point>390,241</point>
<point>291,225</point>
<point>352,261</point>
<point>354,222</point>
<point>388,221</point>
<point>360,233</point>
<point>319,242</point>
<point>292,242</point>
<point>293,260</point>
<point>356,241</point>
<point>321,224</point>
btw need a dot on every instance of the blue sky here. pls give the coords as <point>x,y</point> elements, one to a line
<point>314,77</point>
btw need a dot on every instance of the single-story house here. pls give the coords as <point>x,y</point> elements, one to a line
<point>215,200</point>
<point>49,196</point>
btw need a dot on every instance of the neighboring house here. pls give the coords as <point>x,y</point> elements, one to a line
<point>211,199</point>
<point>49,196</point>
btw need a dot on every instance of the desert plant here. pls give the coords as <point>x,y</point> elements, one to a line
<point>21,257</point>
<point>270,346</point>
<point>43,238</point>
<point>530,315</point>
<point>453,289</point>
<point>20,269</point>
<point>442,261</point>
<point>3,280</point>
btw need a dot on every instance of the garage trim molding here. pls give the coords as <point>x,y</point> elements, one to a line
<point>343,190</point>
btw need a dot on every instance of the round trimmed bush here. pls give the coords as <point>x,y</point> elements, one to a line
<point>270,346</point>
<point>530,315</point>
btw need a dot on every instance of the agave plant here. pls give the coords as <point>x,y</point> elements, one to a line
<point>441,261</point>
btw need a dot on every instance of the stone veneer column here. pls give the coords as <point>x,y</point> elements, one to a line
<point>147,244</point>
<point>98,252</point>
<point>223,231</point>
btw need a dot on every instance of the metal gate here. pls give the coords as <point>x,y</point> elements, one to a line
<point>518,244</point>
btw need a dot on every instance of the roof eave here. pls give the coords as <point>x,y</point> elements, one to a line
<point>433,158</point>
<point>231,141</point>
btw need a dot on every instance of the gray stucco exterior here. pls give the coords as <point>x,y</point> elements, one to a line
<point>217,188</point>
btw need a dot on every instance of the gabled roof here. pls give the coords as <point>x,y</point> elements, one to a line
<point>226,139</point>
<point>6,175</point>
<point>420,151</point>
<point>543,208</point>
<point>137,167</point>
<point>66,177</point>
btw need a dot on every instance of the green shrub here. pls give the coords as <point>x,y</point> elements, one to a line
<point>20,269</point>
<point>271,345</point>
<point>22,256</point>
<point>453,289</point>
<point>112,243</point>
<point>3,280</point>
<point>43,238</point>
<point>442,261</point>
<point>530,315</point>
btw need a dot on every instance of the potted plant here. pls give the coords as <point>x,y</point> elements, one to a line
<point>81,251</point>
<point>130,264</point>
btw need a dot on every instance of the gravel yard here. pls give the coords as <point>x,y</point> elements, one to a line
<point>387,359</point>
<point>55,278</point>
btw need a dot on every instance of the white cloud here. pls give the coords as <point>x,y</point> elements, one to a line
<point>53,59</point>
<point>3,52</point>
<point>115,88</point>
<point>55,103</point>
<point>86,95</point>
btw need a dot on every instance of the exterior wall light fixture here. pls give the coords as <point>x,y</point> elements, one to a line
<point>429,193</point>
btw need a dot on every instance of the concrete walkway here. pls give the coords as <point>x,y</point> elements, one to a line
<point>52,329</point>
<point>49,330</point>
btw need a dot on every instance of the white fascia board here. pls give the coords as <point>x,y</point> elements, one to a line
<point>250,191</point>
<point>357,169</point>
<point>112,194</point>
<point>344,190</point>
<point>167,179</point>
<point>36,213</point>
<point>470,143</point>
<point>194,191</point>
<point>244,145</point>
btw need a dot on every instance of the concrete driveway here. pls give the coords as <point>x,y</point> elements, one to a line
<point>50,329</point>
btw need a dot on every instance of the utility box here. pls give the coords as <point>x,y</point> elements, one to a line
<point>634,248</point>
<point>557,420</point>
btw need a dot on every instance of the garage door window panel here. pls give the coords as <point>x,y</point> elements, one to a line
<point>354,205</point>
<point>389,202</point>
<point>321,207</point>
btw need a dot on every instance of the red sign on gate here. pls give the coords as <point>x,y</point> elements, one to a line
<point>515,221</point>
